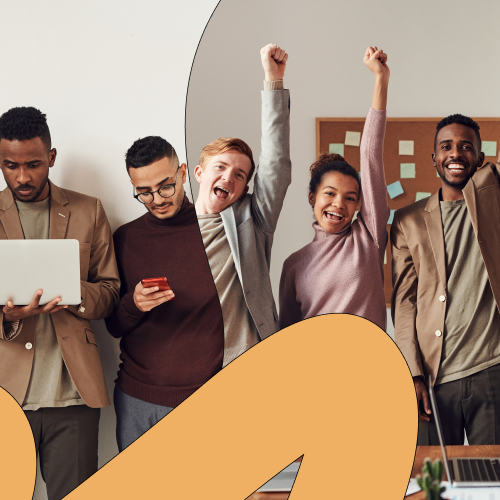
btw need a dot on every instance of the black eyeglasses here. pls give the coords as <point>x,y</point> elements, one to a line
<point>165,191</point>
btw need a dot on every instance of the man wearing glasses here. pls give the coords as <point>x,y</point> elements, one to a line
<point>172,340</point>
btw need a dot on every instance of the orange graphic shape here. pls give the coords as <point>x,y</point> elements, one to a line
<point>333,388</point>
<point>17,451</point>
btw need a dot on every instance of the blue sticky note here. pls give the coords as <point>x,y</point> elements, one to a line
<point>395,189</point>
<point>421,195</point>
<point>489,148</point>
<point>407,170</point>
<point>336,149</point>
<point>391,217</point>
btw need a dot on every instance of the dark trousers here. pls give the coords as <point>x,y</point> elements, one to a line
<point>134,417</point>
<point>66,443</point>
<point>471,404</point>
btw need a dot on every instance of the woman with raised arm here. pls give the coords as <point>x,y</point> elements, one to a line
<point>341,270</point>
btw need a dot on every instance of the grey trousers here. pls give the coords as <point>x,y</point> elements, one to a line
<point>66,444</point>
<point>471,404</point>
<point>134,417</point>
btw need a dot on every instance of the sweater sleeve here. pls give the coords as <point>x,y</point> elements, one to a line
<point>374,209</point>
<point>125,317</point>
<point>290,311</point>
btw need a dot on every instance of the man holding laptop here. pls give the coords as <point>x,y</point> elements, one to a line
<point>49,360</point>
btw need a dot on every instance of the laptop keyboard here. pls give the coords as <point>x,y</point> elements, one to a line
<point>479,469</point>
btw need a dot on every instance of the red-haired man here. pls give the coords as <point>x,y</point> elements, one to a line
<point>237,227</point>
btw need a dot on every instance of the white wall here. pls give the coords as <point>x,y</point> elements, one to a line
<point>443,58</point>
<point>106,72</point>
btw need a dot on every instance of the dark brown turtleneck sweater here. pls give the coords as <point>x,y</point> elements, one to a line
<point>170,351</point>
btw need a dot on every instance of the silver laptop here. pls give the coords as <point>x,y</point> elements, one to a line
<point>29,265</point>
<point>465,471</point>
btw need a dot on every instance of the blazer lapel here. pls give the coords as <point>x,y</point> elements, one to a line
<point>434,226</point>
<point>10,217</point>
<point>470,200</point>
<point>59,214</point>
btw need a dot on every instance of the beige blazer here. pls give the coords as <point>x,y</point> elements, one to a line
<point>419,269</point>
<point>76,216</point>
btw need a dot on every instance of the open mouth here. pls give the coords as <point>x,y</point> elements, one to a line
<point>221,193</point>
<point>334,217</point>
<point>455,167</point>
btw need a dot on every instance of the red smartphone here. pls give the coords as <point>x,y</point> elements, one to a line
<point>162,283</point>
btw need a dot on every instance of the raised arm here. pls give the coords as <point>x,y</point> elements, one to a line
<point>374,209</point>
<point>273,175</point>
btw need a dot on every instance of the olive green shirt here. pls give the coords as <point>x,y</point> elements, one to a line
<point>471,340</point>
<point>50,383</point>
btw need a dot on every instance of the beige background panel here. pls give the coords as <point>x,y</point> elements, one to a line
<point>437,70</point>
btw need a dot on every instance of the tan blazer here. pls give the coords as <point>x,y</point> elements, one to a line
<point>419,267</point>
<point>76,216</point>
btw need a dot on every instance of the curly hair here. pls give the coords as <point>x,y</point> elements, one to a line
<point>330,163</point>
<point>148,150</point>
<point>23,124</point>
<point>460,120</point>
<point>223,144</point>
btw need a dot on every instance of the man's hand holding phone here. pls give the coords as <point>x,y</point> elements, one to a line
<point>147,297</point>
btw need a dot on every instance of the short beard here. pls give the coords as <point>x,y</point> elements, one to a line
<point>179,200</point>
<point>37,193</point>
<point>456,185</point>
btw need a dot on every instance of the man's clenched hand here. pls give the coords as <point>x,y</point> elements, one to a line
<point>274,61</point>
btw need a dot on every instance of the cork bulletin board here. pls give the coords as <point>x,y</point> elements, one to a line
<point>419,174</point>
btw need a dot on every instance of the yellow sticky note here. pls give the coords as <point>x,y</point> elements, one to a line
<point>352,138</point>
<point>385,257</point>
<point>406,148</point>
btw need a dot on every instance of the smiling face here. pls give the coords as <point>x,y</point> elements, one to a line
<point>25,167</point>
<point>457,157</point>
<point>335,201</point>
<point>223,180</point>
<point>152,177</point>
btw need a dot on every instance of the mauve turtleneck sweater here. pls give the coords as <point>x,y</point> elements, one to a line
<point>170,351</point>
<point>344,272</point>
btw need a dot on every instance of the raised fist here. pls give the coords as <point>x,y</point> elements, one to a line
<point>274,61</point>
<point>376,60</point>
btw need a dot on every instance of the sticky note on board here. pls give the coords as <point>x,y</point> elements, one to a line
<point>355,216</point>
<point>336,149</point>
<point>391,217</point>
<point>437,173</point>
<point>406,148</point>
<point>385,257</point>
<point>489,148</point>
<point>407,170</point>
<point>395,189</point>
<point>421,195</point>
<point>352,138</point>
